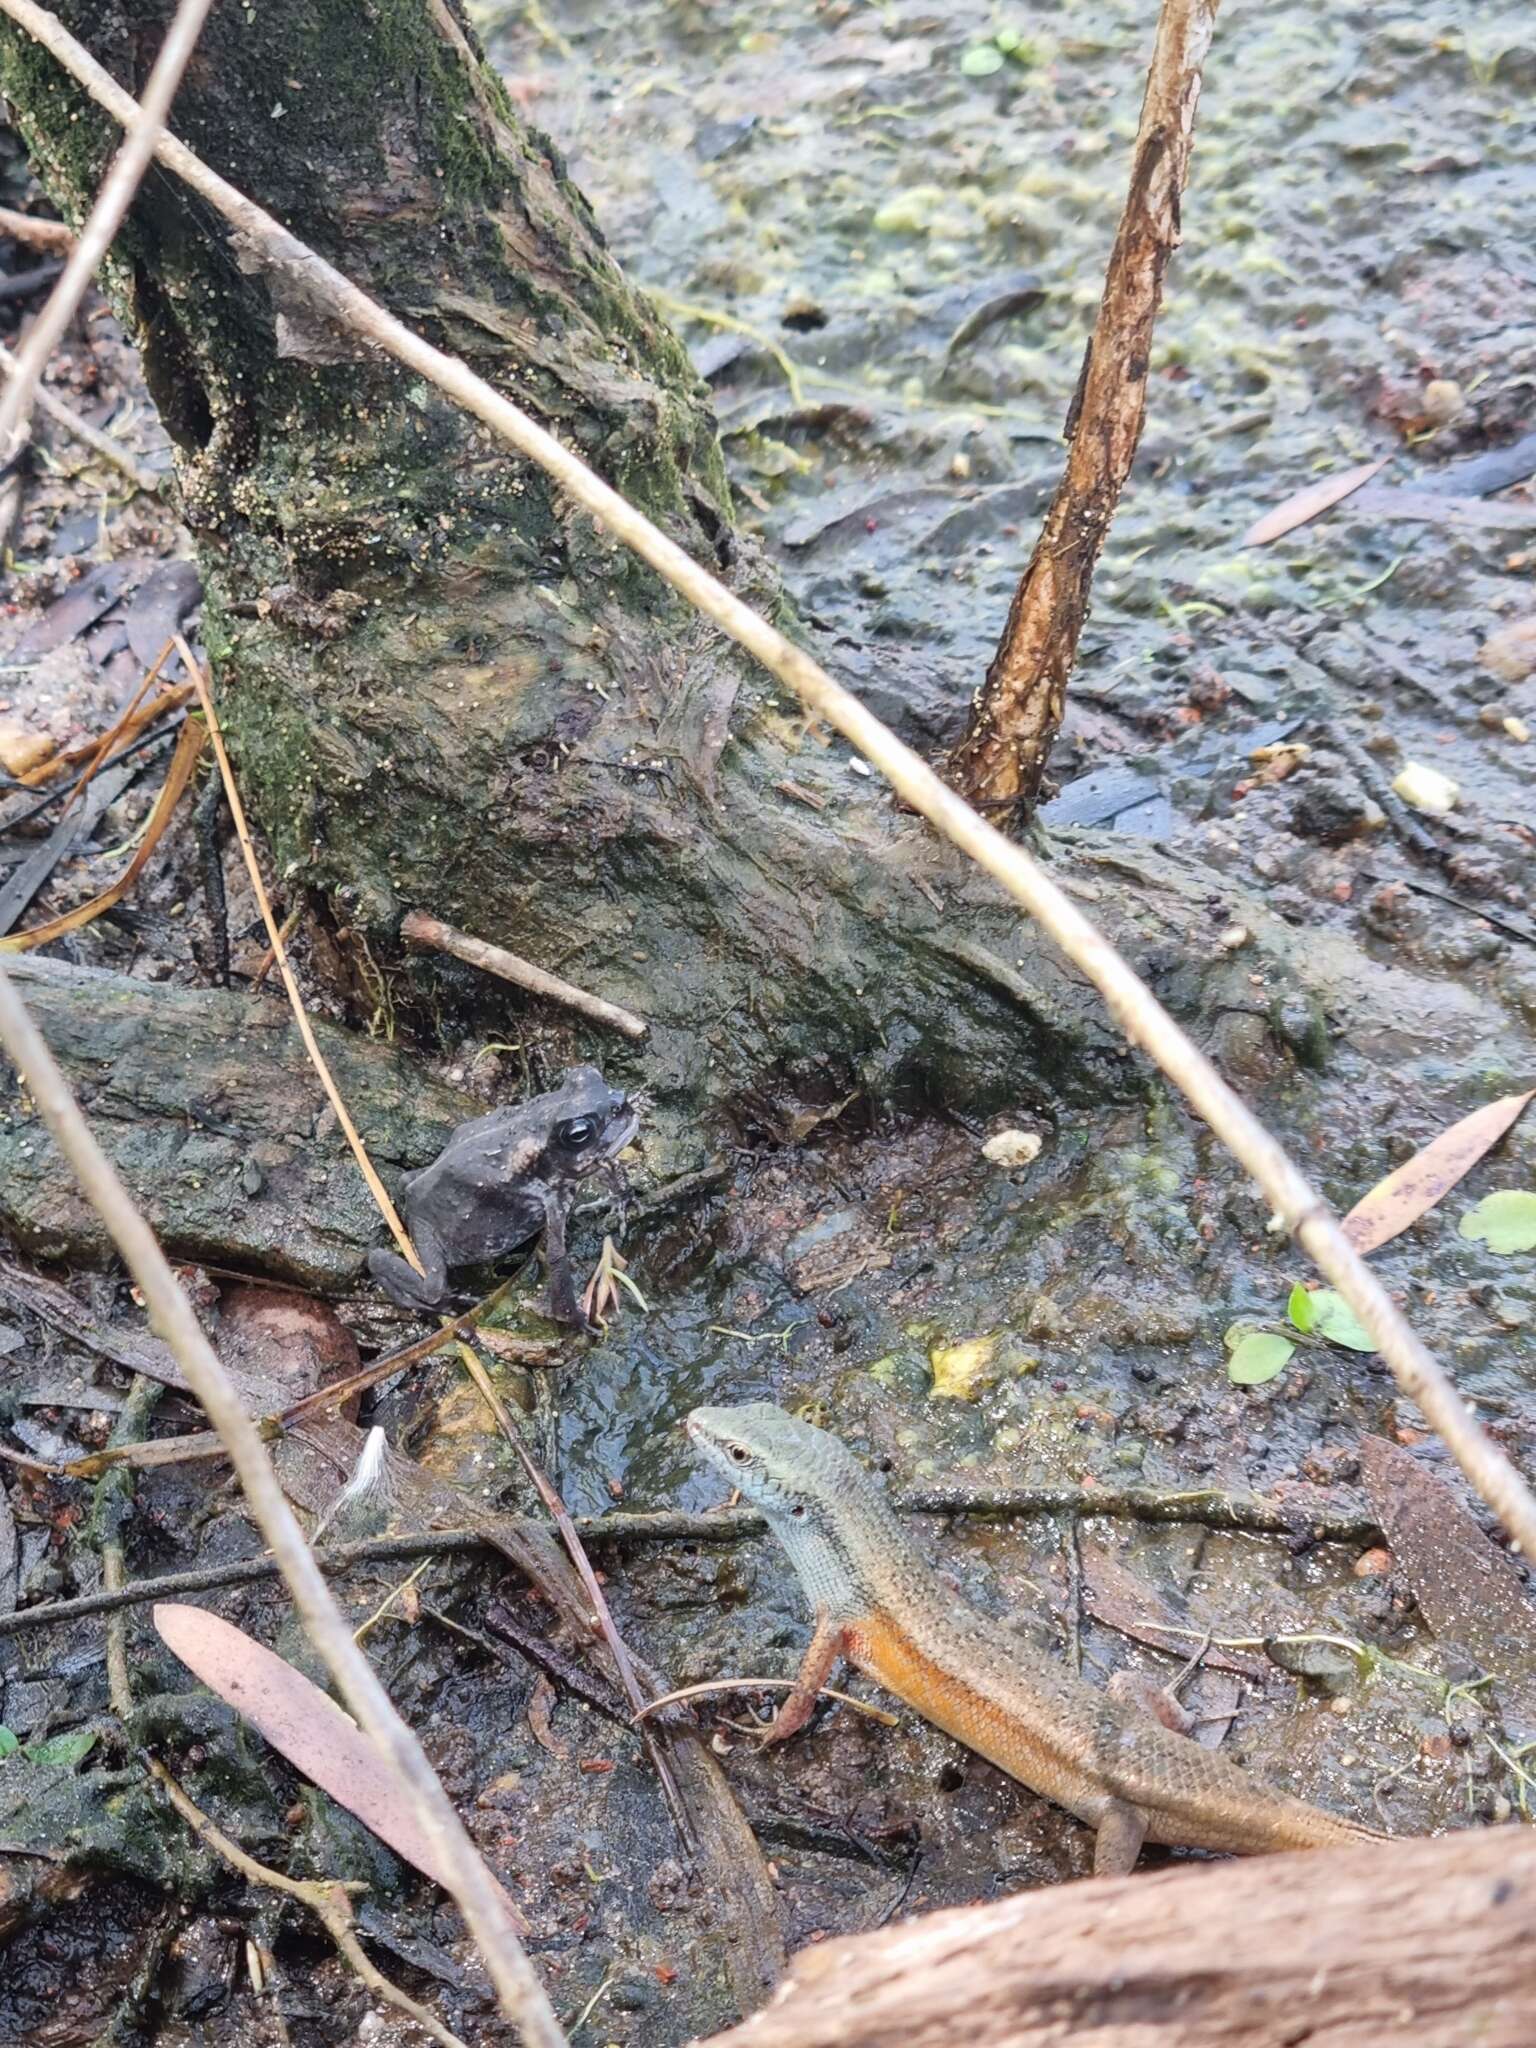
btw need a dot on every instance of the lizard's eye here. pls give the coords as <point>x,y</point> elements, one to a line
<point>738,1454</point>
<point>798,1510</point>
<point>577,1132</point>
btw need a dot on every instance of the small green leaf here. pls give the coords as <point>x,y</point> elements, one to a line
<point>982,60</point>
<point>1333,1318</point>
<point>1506,1221</point>
<point>67,1750</point>
<point>1258,1357</point>
<point>1300,1309</point>
<point>8,1741</point>
<point>1008,40</point>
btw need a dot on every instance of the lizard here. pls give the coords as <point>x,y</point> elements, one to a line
<point>880,1605</point>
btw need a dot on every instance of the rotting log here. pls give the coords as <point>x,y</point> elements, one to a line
<point>210,1110</point>
<point>1407,1945</point>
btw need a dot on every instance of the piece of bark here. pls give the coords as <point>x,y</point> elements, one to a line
<point>213,1115</point>
<point>1421,1944</point>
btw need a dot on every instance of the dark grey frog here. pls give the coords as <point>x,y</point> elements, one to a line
<point>505,1179</point>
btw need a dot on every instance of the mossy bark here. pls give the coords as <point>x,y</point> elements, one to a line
<point>444,686</point>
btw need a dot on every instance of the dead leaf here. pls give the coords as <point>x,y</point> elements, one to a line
<point>1416,1186</point>
<point>159,606</point>
<point>306,1726</point>
<point>1122,1600</point>
<point>80,606</point>
<point>1308,504</point>
<point>22,751</point>
<point>540,1706</point>
<point>1469,1591</point>
<point>177,776</point>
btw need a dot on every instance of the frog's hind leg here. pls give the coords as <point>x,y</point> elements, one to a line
<point>406,1287</point>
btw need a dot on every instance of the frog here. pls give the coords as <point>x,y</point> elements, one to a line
<point>502,1180</point>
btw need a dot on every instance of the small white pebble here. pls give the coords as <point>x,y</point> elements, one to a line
<point>1012,1148</point>
<point>1233,937</point>
<point>1517,729</point>
<point>1426,789</point>
<point>858,766</point>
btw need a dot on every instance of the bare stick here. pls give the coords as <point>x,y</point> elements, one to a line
<point>714,1685</point>
<point>1138,1503</point>
<point>424,930</point>
<point>37,233</point>
<point>1017,711</point>
<point>1131,1003</point>
<point>82,430</point>
<point>353,1136</point>
<point>477,1893</point>
<point>326,1899</point>
<point>141,133</point>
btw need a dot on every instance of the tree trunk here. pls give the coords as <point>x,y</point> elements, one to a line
<point>447,690</point>
<point>1410,1945</point>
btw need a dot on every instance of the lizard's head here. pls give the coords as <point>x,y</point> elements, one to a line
<point>786,1468</point>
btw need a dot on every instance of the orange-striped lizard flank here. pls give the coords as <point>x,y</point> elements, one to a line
<point>1111,1763</point>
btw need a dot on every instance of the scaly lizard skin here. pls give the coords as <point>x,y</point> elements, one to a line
<point>877,1603</point>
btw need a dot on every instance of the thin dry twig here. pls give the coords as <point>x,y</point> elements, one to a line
<point>1017,711</point>
<point>36,232</point>
<point>714,1685</point>
<point>1136,1011</point>
<point>476,1891</point>
<point>421,929</point>
<point>353,1136</point>
<point>326,1899</point>
<point>91,437</point>
<point>602,1616</point>
<point>140,135</point>
<point>119,725</point>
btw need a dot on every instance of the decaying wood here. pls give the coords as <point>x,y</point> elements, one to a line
<point>1017,711</point>
<point>1399,1945</point>
<point>209,1108</point>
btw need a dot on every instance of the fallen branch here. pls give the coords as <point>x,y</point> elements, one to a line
<point>298,271</point>
<point>141,133</point>
<point>1017,711</point>
<point>720,1525</point>
<point>36,232</point>
<point>424,930</point>
<point>475,1890</point>
<point>1408,1944</point>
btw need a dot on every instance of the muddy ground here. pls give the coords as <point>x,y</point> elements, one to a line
<point>884,248</point>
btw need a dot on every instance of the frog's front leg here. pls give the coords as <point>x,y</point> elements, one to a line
<point>407,1288</point>
<point>563,1305</point>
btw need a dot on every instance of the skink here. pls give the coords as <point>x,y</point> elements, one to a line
<point>1113,1765</point>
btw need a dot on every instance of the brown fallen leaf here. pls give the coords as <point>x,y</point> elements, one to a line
<point>1417,1185</point>
<point>305,1725</point>
<point>1469,1591</point>
<point>541,1706</point>
<point>1122,1600</point>
<point>177,776</point>
<point>1308,504</point>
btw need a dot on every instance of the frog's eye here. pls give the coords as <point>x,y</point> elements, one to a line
<point>577,1133</point>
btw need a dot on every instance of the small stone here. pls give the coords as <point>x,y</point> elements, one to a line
<point>1510,653</point>
<point>1012,1147</point>
<point>1517,729</point>
<point>1373,1564</point>
<point>1426,789</point>
<point>1234,937</point>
